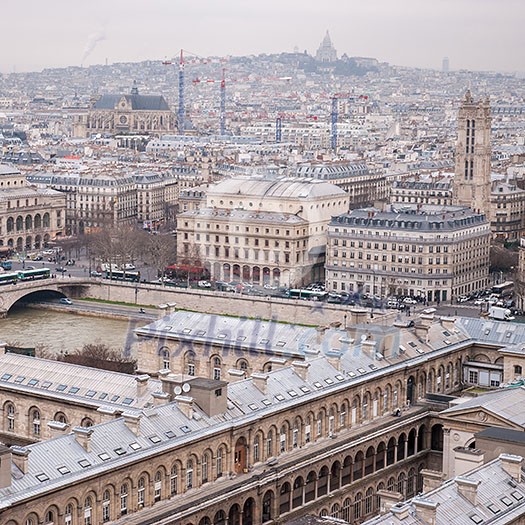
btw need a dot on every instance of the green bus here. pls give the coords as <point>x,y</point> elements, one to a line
<point>30,275</point>
<point>8,278</point>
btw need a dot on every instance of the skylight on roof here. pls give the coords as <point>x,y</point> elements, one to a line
<point>186,331</point>
<point>42,477</point>
<point>241,338</point>
<point>361,370</point>
<point>170,434</point>
<point>32,382</point>
<point>476,519</point>
<point>185,429</point>
<point>127,400</point>
<point>318,385</point>
<point>264,341</point>
<point>292,393</point>
<point>74,390</point>
<point>305,389</point>
<point>46,384</point>
<point>516,495</point>
<point>6,377</point>
<point>91,393</point>
<point>155,439</point>
<point>279,397</point>
<point>372,367</point>
<point>135,446</point>
<point>114,398</point>
<point>221,336</point>
<point>84,463</point>
<point>200,332</point>
<point>104,456</point>
<point>281,343</point>
<point>266,402</point>
<point>506,501</point>
<point>19,379</point>
<point>61,388</point>
<point>120,451</point>
<point>329,381</point>
<point>103,395</point>
<point>493,508</point>
<point>63,470</point>
<point>339,377</point>
<point>253,406</point>
<point>351,374</point>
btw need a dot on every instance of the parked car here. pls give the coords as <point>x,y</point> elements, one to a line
<point>204,284</point>
<point>94,273</point>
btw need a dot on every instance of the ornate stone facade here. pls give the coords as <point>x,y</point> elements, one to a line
<point>133,113</point>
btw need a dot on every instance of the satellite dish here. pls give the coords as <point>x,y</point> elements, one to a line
<point>186,387</point>
<point>178,390</point>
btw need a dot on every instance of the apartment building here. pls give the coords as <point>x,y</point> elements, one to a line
<point>430,252</point>
<point>260,230</point>
<point>30,217</point>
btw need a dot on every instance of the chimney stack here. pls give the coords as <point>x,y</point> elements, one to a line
<point>83,437</point>
<point>468,488</point>
<point>132,421</point>
<point>426,510</point>
<point>511,464</point>
<point>56,428</point>
<point>448,323</point>
<point>142,385</point>
<point>5,466</point>
<point>260,381</point>
<point>301,369</point>
<point>20,457</point>
<point>388,499</point>
<point>3,346</point>
<point>432,479</point>
<point>171,308</point>
<point>185,405</point>
<point>160,398</point>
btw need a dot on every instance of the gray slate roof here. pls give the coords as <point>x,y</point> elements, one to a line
<point>138,102</point>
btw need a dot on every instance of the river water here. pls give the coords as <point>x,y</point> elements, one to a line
<point>60,332</point>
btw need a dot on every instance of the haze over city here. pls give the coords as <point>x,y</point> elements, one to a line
<point>476,35</point>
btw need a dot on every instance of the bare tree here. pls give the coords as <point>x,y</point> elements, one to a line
<point>118,246</point>
<point>160,252</point>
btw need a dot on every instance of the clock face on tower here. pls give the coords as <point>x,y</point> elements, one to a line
<point>123,119</point>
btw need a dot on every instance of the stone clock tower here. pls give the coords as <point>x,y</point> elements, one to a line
<point>471,185</point>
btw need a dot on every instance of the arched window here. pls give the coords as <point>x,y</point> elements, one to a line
<point>369,501</point>
<point>49,517</point>
<point>88,509</point>
<point>35,422</point>
<point>165,355</point>
<point>256,449</point>
<point>9,411</point>
<point>358,508</point>
<point>518,369</point>
<point>158,486</point>
<point>174,479</point>
<point>86,422</point>
<point>106,506</point>
<point>190,363</point>
<point>204,467</point>
<point>10,224</point>
<point>217,368</point>
<point>269,444</point>
<point>342,416</point>
<point>124,499</point>
<point>242,364</point>
<point>141,492</point>
<point>60,417</point>
<point>189,474</point>
<point>220,457</point>
<point>282,440</point>
<point>46,220</point>
<point>68,514</point>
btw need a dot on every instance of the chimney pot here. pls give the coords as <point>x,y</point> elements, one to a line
<point>83,437</point>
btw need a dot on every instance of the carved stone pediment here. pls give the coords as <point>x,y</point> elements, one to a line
<point>480,416</point>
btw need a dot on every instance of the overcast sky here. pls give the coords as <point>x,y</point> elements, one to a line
<point>474,34</point>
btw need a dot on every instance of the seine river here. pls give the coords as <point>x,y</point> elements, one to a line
<point>60,332</point>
